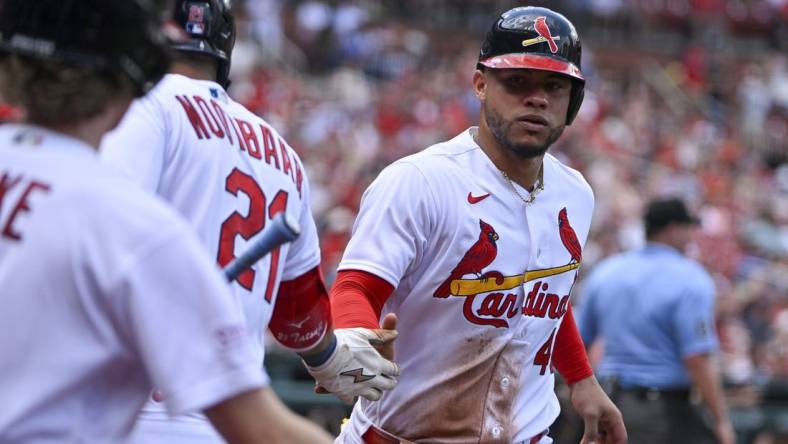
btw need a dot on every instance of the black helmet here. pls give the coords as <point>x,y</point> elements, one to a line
<point>122,36</point>
<point>211,29</point>
<point>536,38</point>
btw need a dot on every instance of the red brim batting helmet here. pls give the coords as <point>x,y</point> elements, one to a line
<point>536,38</point>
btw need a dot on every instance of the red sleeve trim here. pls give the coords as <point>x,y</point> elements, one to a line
<point>357,299</point>
<point>569,353</point>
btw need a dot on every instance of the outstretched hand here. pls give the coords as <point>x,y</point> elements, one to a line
<point>379,342</point>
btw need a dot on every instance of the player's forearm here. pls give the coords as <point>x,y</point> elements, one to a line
<point>321,352</point>
<point>707,380</point>
<point>569,353</point>
<point>260,417</point>
<point>321,346</point>
<point>587,383</point>
<point>357,299</point>
<point>301,320</point>
<point>303,309</point>
<point>600,415</point>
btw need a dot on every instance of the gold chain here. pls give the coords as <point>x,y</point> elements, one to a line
<point>539,186</point>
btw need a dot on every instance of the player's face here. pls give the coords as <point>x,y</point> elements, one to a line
<point>524,109</point>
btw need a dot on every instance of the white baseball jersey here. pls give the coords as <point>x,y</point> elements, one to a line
<point>228,172</point>
<point>482,283</point>
<point>105,293</point>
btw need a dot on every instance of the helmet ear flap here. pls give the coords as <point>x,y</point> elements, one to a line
<point>575,100</point>
<point>227,36</point>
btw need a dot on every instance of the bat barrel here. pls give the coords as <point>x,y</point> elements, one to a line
<point>282,229</point>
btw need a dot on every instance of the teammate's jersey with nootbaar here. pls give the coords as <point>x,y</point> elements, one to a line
<point>482,284</point>
<point>229,173</point>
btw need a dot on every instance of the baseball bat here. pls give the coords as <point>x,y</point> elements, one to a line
<point>281,230</point>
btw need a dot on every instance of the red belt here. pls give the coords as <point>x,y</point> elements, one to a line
<point>537,438</point>
<point>374,435</point>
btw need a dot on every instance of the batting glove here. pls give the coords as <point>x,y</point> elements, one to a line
<point>355,368</point>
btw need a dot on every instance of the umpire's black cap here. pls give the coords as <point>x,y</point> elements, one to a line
<point>665,211</point>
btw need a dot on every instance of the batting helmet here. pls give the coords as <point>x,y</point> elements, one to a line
<point>211,29</point>
<point>119,36</point>
<point>536,38</point>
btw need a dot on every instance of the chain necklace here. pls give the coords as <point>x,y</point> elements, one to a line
<point>538,186</point>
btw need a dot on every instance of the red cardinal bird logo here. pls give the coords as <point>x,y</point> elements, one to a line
<point>568,236</point>
<point>480,255</point>
<point>540,25</point>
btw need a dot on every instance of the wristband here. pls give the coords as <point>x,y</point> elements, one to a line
<point>321,358</point>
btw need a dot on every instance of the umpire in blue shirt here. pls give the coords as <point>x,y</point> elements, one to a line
<point>654,310</point>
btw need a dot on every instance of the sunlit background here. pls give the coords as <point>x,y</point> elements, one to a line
<point>683,97</point>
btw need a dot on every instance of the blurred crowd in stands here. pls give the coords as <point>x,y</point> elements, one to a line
<point>682,97</point>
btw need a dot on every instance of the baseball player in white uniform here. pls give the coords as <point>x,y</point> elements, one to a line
<point>105,291</point>
<point>475,244</point>
<point>229,173</point>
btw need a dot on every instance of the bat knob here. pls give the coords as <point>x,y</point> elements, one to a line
<point>291,226</point>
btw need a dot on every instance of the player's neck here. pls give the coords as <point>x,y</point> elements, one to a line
<point>668,236</point>
<point>193,71</point>
<point>92,130</point>
<point>524,171</point>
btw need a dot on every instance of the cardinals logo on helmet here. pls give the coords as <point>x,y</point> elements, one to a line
<point>540,26</point>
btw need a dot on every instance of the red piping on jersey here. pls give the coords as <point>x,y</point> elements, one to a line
<point>569,353</point>
<point>357,299</point>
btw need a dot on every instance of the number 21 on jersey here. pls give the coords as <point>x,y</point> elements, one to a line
<point>248,226</point>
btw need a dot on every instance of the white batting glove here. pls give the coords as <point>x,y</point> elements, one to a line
<point>356,368</point>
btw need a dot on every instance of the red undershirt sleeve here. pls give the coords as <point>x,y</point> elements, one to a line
<point>569,353</point>
<point>302,314</point>
<point>357,299</point>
